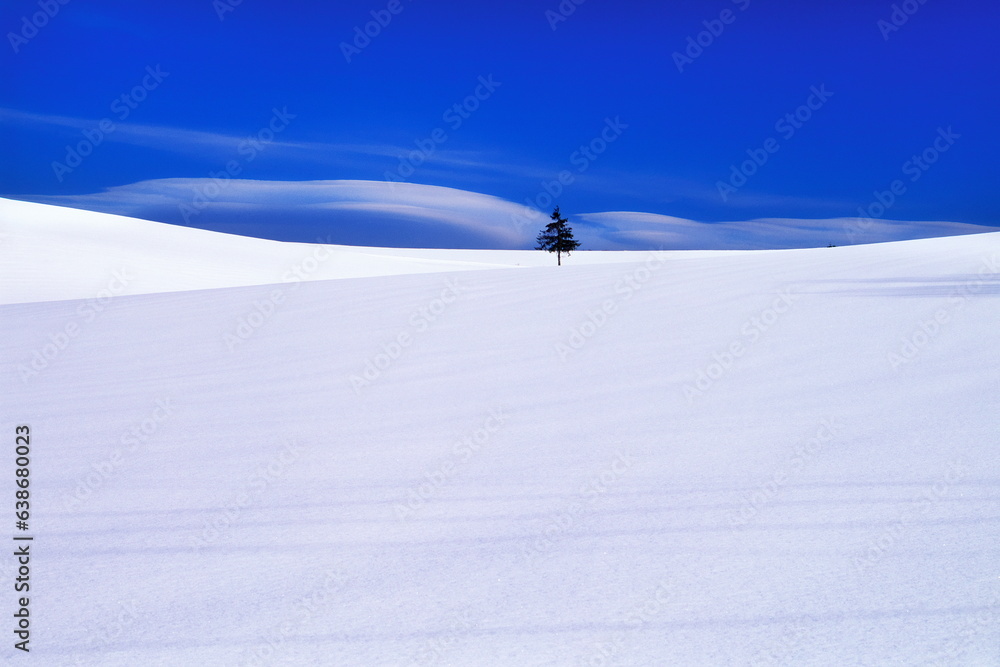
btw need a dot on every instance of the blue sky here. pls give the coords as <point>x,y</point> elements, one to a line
<point>598,96</point>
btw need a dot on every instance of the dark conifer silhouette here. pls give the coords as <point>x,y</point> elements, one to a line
<point>557,237</point>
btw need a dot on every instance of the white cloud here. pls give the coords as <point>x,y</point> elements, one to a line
<point>499,223</point>
<point>434,215</point>
<point>626,230</point>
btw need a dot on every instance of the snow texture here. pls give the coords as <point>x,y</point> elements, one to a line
<point>674,458</point>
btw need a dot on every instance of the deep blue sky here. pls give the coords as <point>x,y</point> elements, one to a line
<point>607,60</point>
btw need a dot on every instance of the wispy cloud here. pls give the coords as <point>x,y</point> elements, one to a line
<point>198,142</point>
<point>182,140</point>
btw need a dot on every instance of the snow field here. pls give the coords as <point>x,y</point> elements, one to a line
<point>697,459</point>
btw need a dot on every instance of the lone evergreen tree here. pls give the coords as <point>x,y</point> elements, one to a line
<point>557,237</point>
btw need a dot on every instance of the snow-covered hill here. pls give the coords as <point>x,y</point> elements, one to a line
<point>764,458</point>
<point>413,214</point>
<point>53,252</point>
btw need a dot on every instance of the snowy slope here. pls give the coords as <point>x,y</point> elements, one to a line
<point>52,252</point>
<point>769,458</point>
